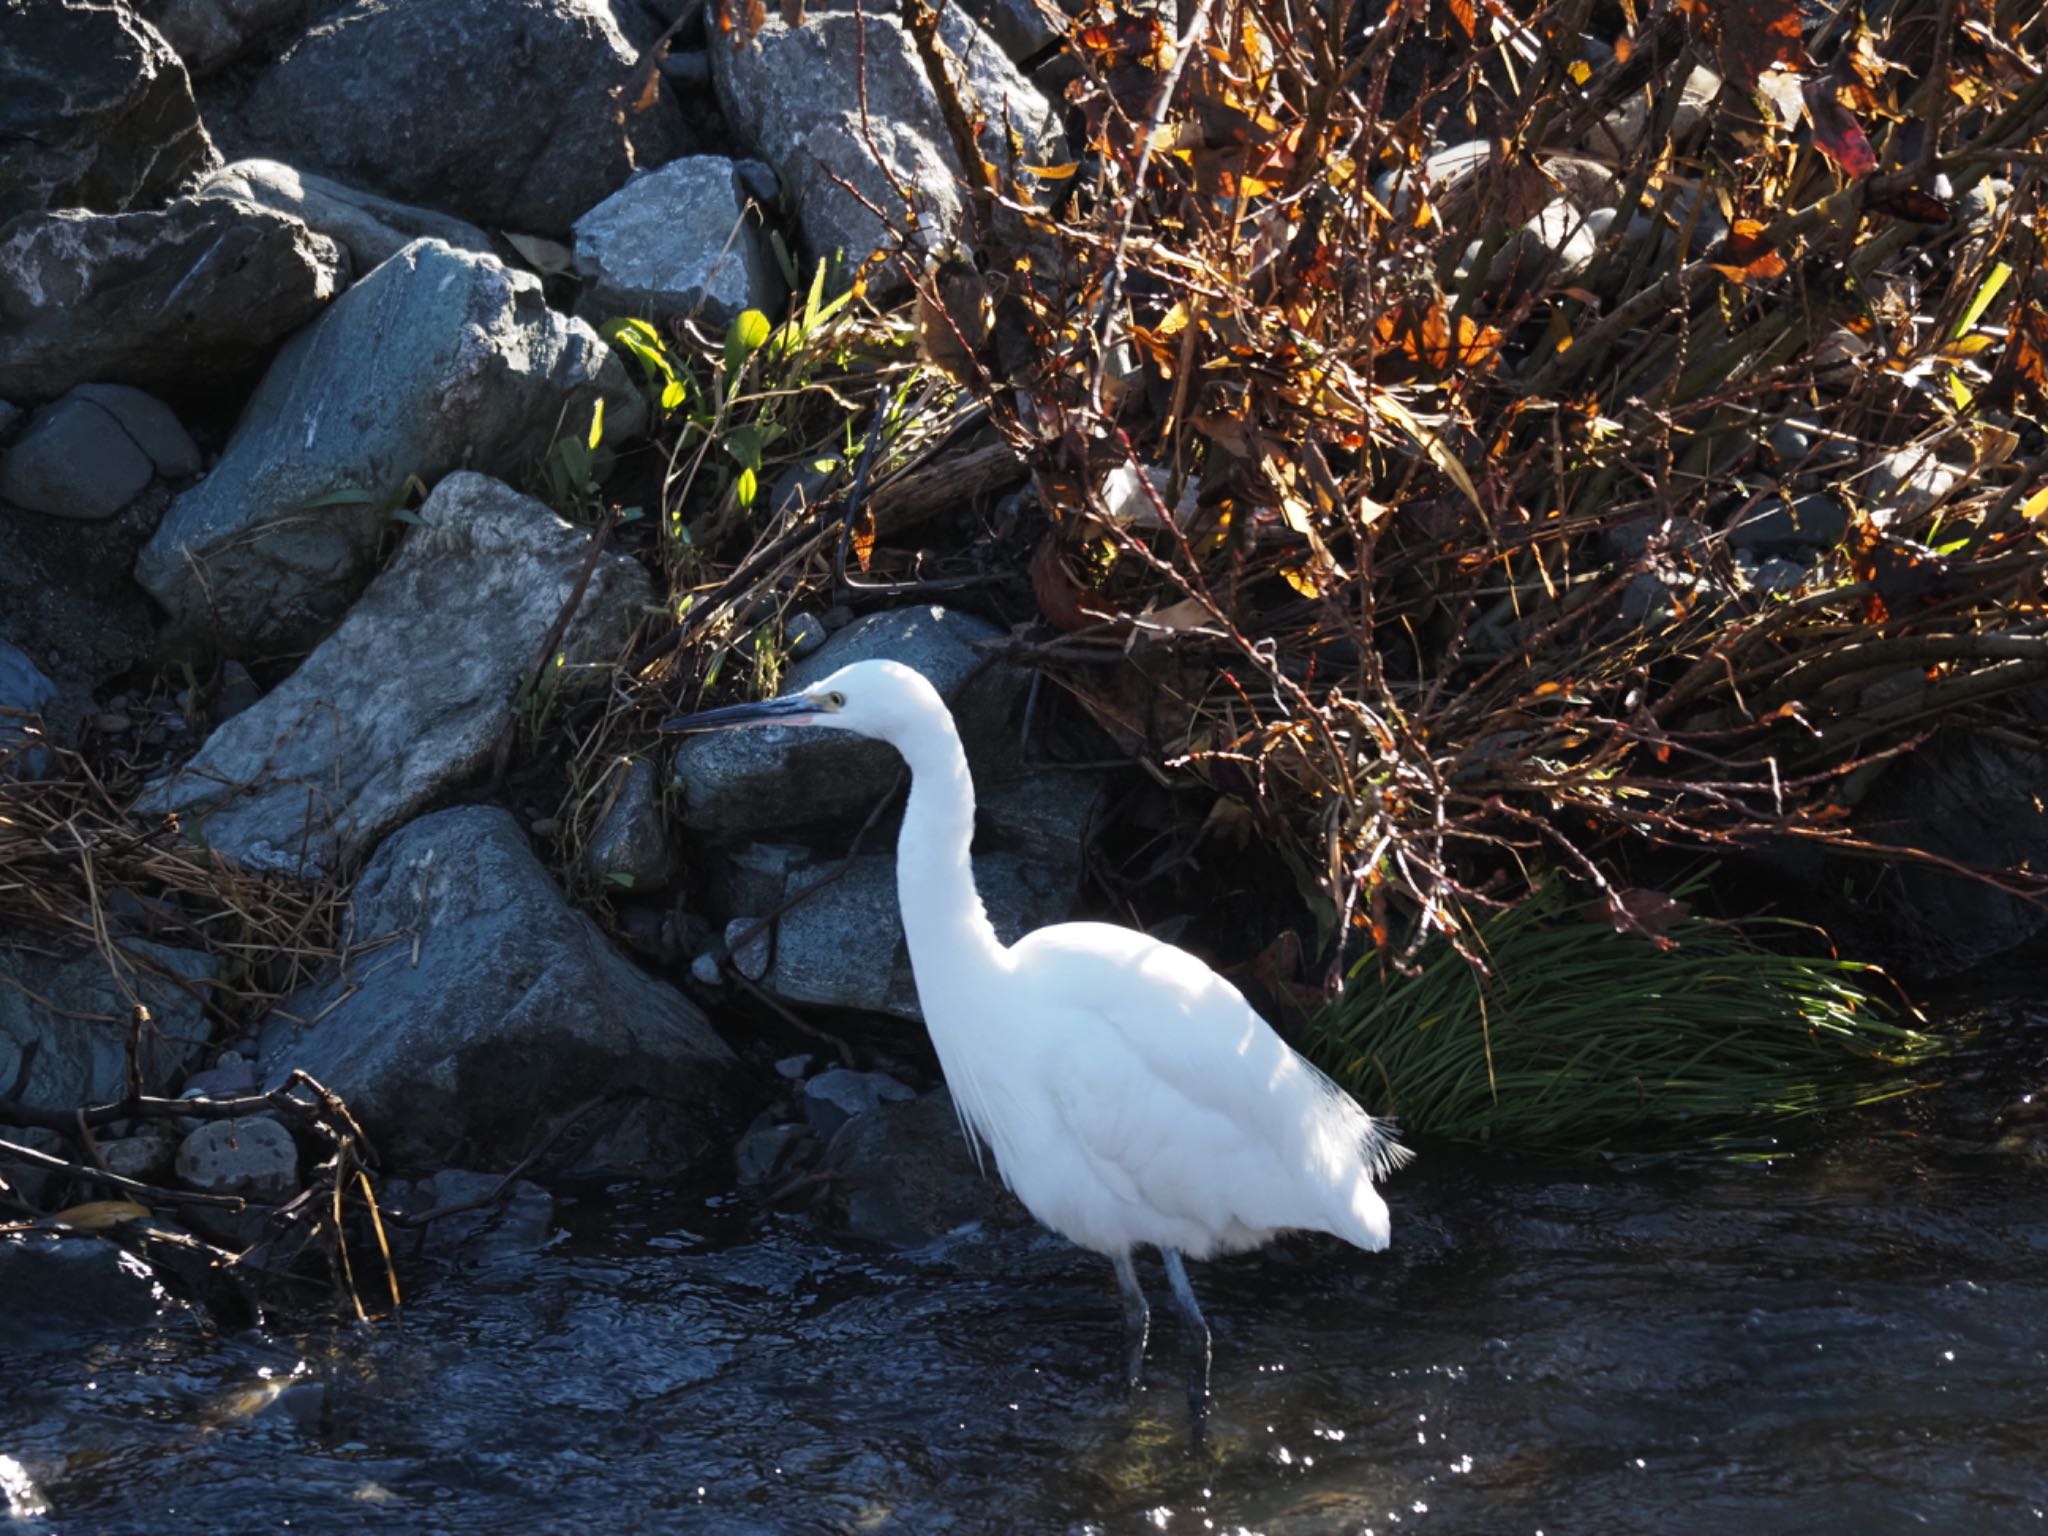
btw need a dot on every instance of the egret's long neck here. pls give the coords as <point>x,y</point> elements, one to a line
<point>951,940</point>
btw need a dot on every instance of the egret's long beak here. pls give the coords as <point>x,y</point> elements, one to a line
<point>793,709</point>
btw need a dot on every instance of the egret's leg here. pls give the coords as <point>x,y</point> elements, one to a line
<point>1137,1320</point>
<point>1196,1332</point>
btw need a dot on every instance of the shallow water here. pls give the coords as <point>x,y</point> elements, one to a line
<point>1851,1340</point>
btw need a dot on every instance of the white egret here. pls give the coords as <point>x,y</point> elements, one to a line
<point>1130,1094</point>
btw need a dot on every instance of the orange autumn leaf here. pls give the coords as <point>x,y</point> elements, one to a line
<point>862,538</point>
<point>1745,256</point>
<point>1428,337</point>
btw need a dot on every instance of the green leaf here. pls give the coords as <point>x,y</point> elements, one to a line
<point>782,257</point>
<point>626,332</point>
<point>597,424</point>
<point>673,394</point>
<point>814,301</point>
<point>743,338</point>
<point>1982,301</point>
<point>747,486</point>
<point>746,444</point>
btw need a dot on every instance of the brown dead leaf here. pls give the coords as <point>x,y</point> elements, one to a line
<point>1641,910</point>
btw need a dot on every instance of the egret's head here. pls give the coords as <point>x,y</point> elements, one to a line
<point>882,699</point>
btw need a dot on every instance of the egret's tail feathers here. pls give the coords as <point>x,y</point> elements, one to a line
<point>1380,1149</point>
<point>1375,1135</point>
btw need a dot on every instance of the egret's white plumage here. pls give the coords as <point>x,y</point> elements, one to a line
<point>1130,1094</point>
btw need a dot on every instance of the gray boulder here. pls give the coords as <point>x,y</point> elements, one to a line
<point>629,850</point>
<point>406,699</point>
<point>479,1005</point>
<point>439,359</point>
<point>201,288</point>
<point>61,1287</point>
<point>682,240</point>
<point>794,96</point>
<point>370,228</point>
<point>65,1025</point>
<point>95,110</point>
<point>843,946</point>
<point>209,34</point>
<point>904,1175</point>
<point>515,1220</point>
<point>93,452</point>
<point>79,1019</point>
<point>747,783</point>
<point>835,1096</point>
<point>520,113</point>
<point>254,1158</point>
<point>150,424</point>
<point>1020,27</point>
<point>1971,799</point>
<point>773,779</point>
<point>147,1156</point>
<point>769,1151</point>
<point>1905,483</point>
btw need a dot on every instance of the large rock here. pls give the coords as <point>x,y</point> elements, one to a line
<point>684,239</point>
<point>197,289</point>
<point>519,113</point>
<point>255,1158</point>
<point>794,96</point>
<point>95,110</point>
<point>65,1027</point>
<point>439,359</point>
<point>93,452</point>
<point>491,1007</point>
<point>79,1020</point>
<point>1976,801</point>
<point>370,228</point>
<point>62,1287</point>
<point>842,946</point>
<point>747,783</point>
<point>408,697</point>
<point>209,34</point>
<point>904,1175</point>
<point>629,848</point>
<point>773,779</point>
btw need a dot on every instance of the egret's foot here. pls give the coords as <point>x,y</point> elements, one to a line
<point>1137,1322</point>
<point>1195,1332</point>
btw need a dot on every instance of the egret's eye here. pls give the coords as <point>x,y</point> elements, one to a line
<point>834,701</point>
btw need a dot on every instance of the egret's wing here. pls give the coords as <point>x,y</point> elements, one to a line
<point>1171,1070</point>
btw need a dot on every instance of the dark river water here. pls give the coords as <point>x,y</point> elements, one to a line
<point>1852,1339</point>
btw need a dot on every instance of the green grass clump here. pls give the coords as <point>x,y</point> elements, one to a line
<point>1578,1039</point>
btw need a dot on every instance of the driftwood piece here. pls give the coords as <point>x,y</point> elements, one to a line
<point>944,483</point>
